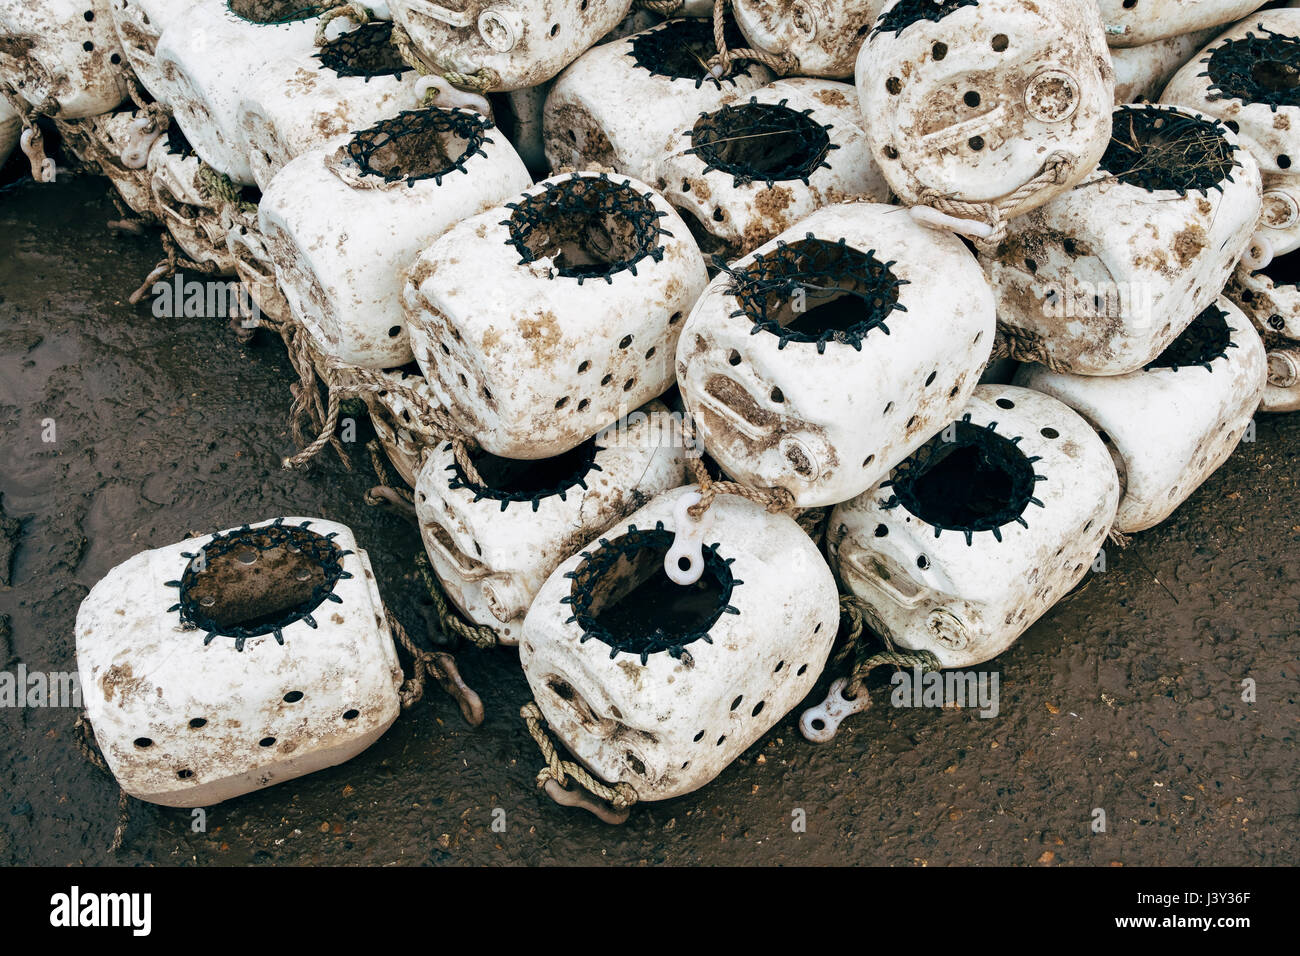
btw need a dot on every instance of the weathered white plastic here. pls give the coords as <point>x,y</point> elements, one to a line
<point>1271,135</point>
<point>62,56</point>
<point>140,24</point>
<point>10,128</point>
<point>255,268</point>
<point>1131,23</point>
<point>668,726</point>
<point>823,35</point>
<point>1142,72</point>
<point>533,361</point>
<point>114,135</point>
<point>194,221</point>
<point>1282,394</point>
<point>185,722</point>
<point>521,42</point>
<point>1270,297</point>
<point>972,106</point>
<point>826,425</point>
<point>493,560</point>
<point>967,603</point>
<point>596,112</point>
<point>206,60</point>
<point>341,248</point>
<point>392,419</point>
<point>1169,429</point>
<point>1110,273</point>
<point>737,206</point>
<point>296,103</point>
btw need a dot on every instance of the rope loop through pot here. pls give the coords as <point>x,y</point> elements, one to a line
<point>725,60</point>
<point>612,804</point>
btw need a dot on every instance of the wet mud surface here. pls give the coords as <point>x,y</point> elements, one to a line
<point>1125,698</point>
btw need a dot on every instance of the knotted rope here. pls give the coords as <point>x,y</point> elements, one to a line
<point>439,665</point>
<point>355,12</point>
<point>480,635</point>
<point>159,114</point>
<point>994,215</point>
<point>724,61</point>
<point>665,8</point>
<point>89,748</point>
<point>557,773</point>
<point>854,624</point>
<point>1024,345</point>
<point>482,81</point>
<point>171,263</point>
<point>773,500</point>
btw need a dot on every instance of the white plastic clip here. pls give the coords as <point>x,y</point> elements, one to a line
<point>819,724</point>
<point>43,168</point>
<point>449,96</point>
<point>935,219</point>
<point>1258,254</point>
<point>684,562</point>
<point>135,154</point>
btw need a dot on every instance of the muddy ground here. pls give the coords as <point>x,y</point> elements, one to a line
<point>1126,697</point>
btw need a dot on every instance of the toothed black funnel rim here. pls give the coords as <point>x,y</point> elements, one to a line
<point>818,271</point>
<point>680,50</point>
<point>290,14</point>
<point>581,460</point>
<point>642,643</point>
<point>906,12</point>
<point>423,128</point>
<point>1206,339</point>
<point>573,210</point>
<point>983,452</point>
<point>367,52</point>
<point>319,550</point>
<point>761,142</point>
<point>1237,69</point>
<point>1159,149</point>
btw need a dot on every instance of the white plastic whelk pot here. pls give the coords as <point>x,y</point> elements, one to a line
<point>982,530</point>
<point>140,24</point>
<point>618,104</point>
<point>1142,72</point>
<point>117,145</point>
<point>1172,424</point>
<point>1246,78</point>
<point>512,43</point>
<point>974,101</point>
<point>344,221</point>
<point>818,362</point>
<point>1270,298</point>
<point>1109,274</point>
<point>661,685</point>
<point>62,56</point>
<point>300,102</point>
<point>195,219</point>
<point>225,664</point>
<point>823,36</point>
<point>207,57</point>
<point>543,320</point>
<point>493,544</point>
<point>11,128</point>
<point>752,168</point>
<point>394,421</point>
<point>1131,23</point>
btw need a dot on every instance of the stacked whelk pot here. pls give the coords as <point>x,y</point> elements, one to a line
<point>680,325</point>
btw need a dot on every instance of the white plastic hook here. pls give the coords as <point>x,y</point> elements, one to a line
<point>688,545</point>
<point>1258,254</point>
<point>135,154</point>
<point>935,219</point>
<point>447,95</point>
<point>43,168</point>
<point>819,724</point>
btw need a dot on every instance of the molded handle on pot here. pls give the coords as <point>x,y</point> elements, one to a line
<point>688,545</point>
<point>935,219</point>
<point>135,154</point>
